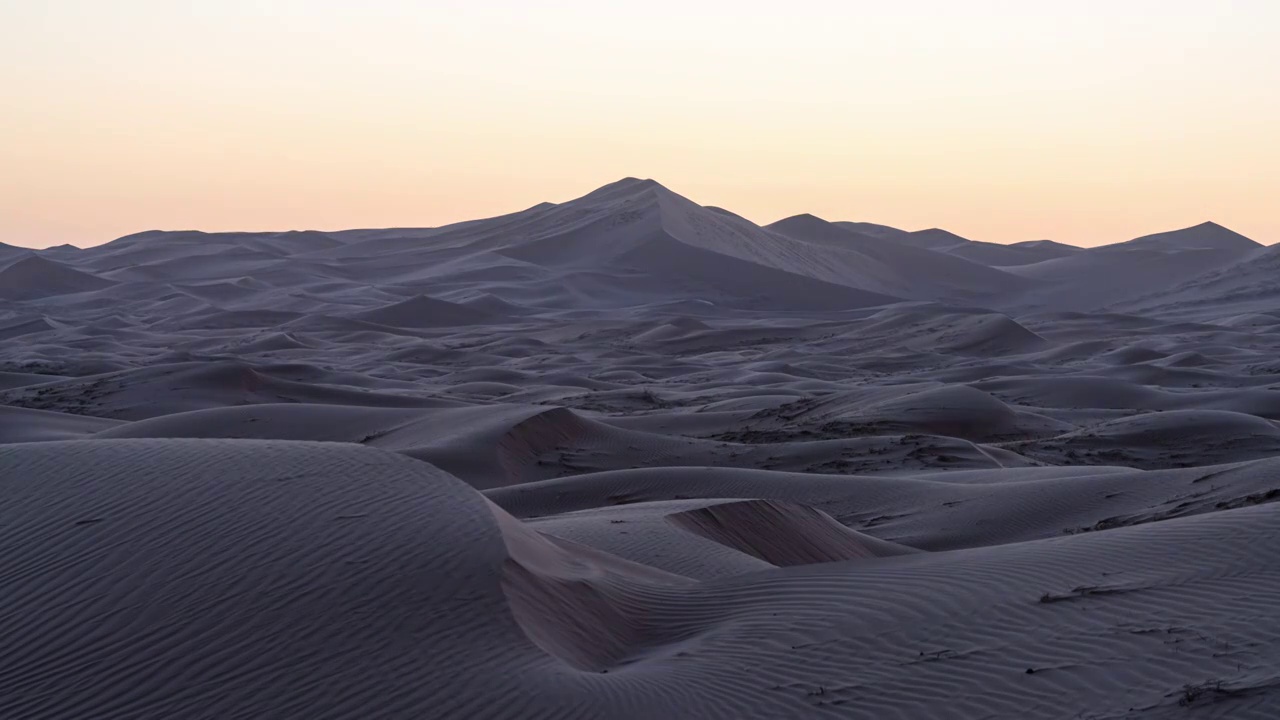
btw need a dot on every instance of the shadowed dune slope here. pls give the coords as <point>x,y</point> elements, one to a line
<point>34,277</point>
<point>782,533</point>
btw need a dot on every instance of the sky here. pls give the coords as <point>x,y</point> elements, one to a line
<point>1086,122</point>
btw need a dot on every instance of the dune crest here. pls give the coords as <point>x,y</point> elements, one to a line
<point>782,533</point>
<point>580,605</point>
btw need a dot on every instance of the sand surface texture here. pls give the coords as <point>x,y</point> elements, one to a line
<point>632,457</point>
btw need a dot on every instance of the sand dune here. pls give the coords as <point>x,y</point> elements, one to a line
<point>1243,289</point>
<point>179,387</point>
<point>783,534</point>
<point>587,630</point>
<point>898,267</point>
<point>956,411</point>
<point>932,238</point>
<point>11,253</point>
<point>1022,253</point>
<point>20,425</point>
<point>1205,236</point>
<point>34,277</point>
<point>628,456</point>
<point>1178,438</point>
<point>423,312</point>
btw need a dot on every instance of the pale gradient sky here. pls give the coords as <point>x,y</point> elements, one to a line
<point>1086,122</point>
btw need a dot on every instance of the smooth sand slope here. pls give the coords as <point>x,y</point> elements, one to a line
<point>632,457</point>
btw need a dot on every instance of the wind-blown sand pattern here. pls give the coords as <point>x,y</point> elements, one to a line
<point>631,457</point>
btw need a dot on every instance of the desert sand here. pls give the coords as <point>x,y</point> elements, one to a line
<point>628,456</point>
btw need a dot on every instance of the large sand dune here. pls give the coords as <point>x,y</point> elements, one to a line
<point>628,456</point>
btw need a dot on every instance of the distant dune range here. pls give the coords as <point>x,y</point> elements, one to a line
<point>632,457</point>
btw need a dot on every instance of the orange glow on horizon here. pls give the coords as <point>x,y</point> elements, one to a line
<point>998,121</point>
